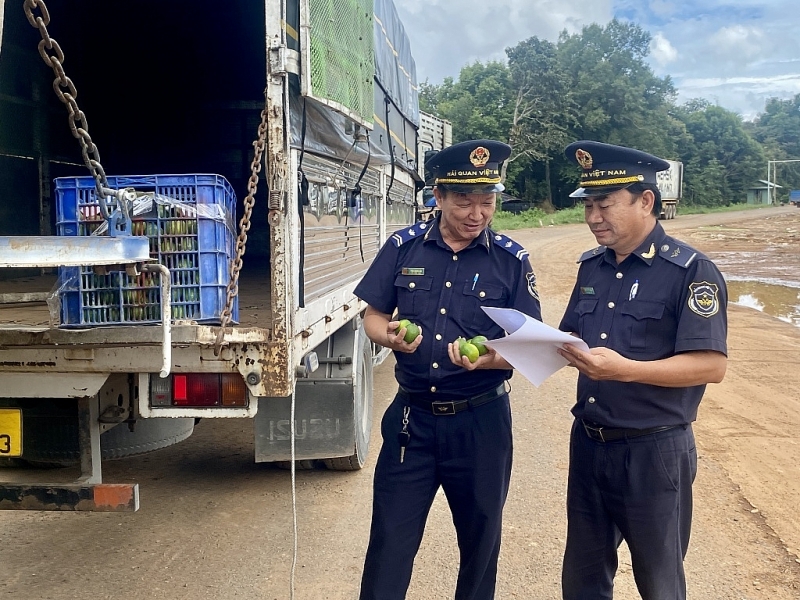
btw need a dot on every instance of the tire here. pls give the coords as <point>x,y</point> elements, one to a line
<point>362,398</point>
<point>50,433</point>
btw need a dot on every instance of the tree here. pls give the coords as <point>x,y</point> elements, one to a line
<point>778,130</point>
<point>722,156</point>
<point>428,98</point>
<point>621,100</point>
<point>478,104</point>
<point>543,108</point>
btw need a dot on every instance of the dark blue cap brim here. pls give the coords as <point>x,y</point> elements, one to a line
<point>472,188</point>
<point>591,192</point>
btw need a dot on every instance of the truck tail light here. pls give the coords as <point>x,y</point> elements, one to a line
<point>234,391</point>
<point>198,390</point>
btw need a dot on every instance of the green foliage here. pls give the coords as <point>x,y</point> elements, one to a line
<point>479,103</point>
<point>722,160</point>
<point>596,84</point>
<point>778,130</point>
<point>504,221</point>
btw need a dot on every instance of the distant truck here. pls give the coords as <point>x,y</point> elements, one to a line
<point>670,182</point>
<point>434,134</point>
<point>794,198</point>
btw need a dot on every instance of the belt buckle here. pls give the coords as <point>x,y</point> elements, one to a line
<point>443,408</point>
<point>597,430</point>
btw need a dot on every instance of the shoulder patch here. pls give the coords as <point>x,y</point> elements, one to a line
<point>678,253</point>
<point>595,252</point>
<point>417,230</point>
<point>509,245</point>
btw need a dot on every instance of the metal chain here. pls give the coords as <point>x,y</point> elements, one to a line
<point>244,227</point>
<point>67,93</point>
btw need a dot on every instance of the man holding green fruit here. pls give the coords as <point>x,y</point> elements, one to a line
<point>450,423</point>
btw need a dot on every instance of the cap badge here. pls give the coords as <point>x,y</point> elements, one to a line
<point>584,158</point>
<point>479,157</point>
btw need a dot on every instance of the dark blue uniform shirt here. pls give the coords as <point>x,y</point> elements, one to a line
<point>417,273</point>
<point>664,299</point>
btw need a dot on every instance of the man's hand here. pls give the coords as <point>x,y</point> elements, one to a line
<point>490,360</point>
<point>396,341</point>
<point>599,364</point>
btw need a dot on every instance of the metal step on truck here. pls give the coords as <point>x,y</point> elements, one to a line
<point>189,193</point>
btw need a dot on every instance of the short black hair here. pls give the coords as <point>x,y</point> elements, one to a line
<point>637,189</point>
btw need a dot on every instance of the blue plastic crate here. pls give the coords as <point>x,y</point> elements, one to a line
<point>192,235</point>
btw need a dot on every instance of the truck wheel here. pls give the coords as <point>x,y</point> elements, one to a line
<point>362,398</point>
<point>50,433</point>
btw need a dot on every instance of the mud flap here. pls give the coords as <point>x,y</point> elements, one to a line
<point>324,423</point>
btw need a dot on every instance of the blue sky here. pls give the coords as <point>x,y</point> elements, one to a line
<point>734,53</point>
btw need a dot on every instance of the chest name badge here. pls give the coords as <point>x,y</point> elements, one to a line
<point>589,291</point>
<point>413,271</point>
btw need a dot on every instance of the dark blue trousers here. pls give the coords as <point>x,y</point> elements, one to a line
<point>639,490</point>
<point>469,455</point>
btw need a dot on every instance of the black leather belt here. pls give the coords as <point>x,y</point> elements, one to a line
<point>451,407</point>
<point>599,433</point>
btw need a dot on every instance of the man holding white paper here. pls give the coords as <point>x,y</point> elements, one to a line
<point>652,310</point>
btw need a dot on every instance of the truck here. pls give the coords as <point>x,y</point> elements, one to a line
<point>670,182</point>
<point>434,134</point>
<point>286,128</point>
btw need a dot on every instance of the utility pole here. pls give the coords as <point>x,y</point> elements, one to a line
<point>770,170</point>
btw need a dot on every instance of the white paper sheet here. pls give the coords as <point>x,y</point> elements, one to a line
<point>530,346</point>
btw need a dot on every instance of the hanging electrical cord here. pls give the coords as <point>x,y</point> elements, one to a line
<point>391,149</point>
<point>356,197</point>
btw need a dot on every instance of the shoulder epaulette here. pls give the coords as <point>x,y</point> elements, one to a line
<point>599,251</point>
<point>509,245</point>
<point>678,253</point>
<point>409,233</point>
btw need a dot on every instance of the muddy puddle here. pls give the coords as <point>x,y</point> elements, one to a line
<point>768,281</point>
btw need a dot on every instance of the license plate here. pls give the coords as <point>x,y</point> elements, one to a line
<point>10,432</point>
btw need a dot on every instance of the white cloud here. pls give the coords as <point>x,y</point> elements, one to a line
<point>735,53</point>
<point>738,43</point>
<point>661,50</point>
<point>446,35</point>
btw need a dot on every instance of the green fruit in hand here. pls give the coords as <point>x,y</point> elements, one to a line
<point>477,341</point>
<point>470,351</point>
<point>412,330</point>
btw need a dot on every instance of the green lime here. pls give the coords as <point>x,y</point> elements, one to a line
<point>404,323</point>
<point>470,351</point>
<point>477,341</point>
<point>412,331</point>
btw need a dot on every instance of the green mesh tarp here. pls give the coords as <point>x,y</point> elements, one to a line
<point>342,53</point>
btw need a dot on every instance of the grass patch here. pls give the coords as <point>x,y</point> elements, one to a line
<point>536,217</point>
<point>697,209</point>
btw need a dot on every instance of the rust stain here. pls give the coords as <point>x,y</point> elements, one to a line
<point>112,495</point>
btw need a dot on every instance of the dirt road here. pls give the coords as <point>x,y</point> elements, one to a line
<point>215,525</point>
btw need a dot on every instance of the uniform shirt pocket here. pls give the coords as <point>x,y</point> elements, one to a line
<point>413,294</point>
<point>584,308</point>
<point>485,295</point>
<point>641,323</point>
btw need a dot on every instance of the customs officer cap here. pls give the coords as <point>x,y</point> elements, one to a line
<point>607,168</point>
<point>471,167</point>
